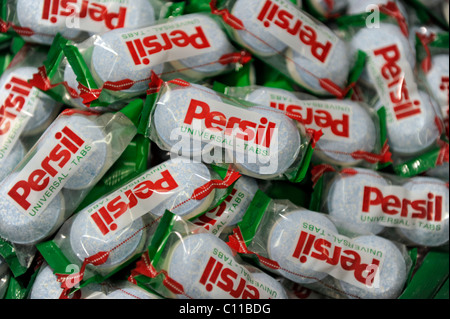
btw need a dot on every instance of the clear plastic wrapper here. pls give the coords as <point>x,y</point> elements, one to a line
<point>291,41</point>
<point>4,277</point>
<point>414,123</point>
<point>25,112</point>
<point>186,262</point>
<point>353,134</point>
<point>63,166</point>
<point>431,11</point>
<point>117,65</point>
<point>326,10</point>
<point>413,210</point>
<point>223,217</point>
<point>39,21</point>
<point>306,247</point>
<point>196,122</point>
<point>112,231</point>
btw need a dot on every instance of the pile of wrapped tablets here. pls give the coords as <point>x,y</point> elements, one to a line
<point>243,149</point>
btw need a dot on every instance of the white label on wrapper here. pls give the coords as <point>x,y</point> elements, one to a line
<point>230,127</point>
<point>333,118</point>
<point>167,42</point>
<point>18,103</point>
<point>337,255</point>
<point>224,278</point>
<point>48,170</point>
<point>395,83</point>
<point>88,15</point>
<point>119,209</point>
<point>215,220</point>
<point>395,206</point>
<point>297,30</point>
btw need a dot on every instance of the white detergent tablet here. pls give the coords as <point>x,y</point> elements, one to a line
<point>46,285</point>
<point>169,117</point>
<point>111,62</point>
<point>255,37</point>
<point>91,131</point>
<point>345,199</point>
<point>207,64</point>
<point>32,14</point>
<point>328,8</point>
<point>307,72</point>
<point>392,271</point>
<point>371,39</point>
<point>282,242</point>
<point>86,240</point>
<point>194,263</point>
<point>438,79</point>
<point>361,136</point>
<point>275,158</point>
<point>413,134</point>
<point>9,163</point>
<point>188,176</point>
<point>39,108</point>
<point>435,233</point>
<point>20,228</point>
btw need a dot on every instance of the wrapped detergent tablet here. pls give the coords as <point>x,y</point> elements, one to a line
<point>117,65</point>
<point>194,121</point>
<point>40,20</point>
<point>118,225</point>
<point>353,134</point>
<point>71,156</point>
<point>26,112</point>
<point>307,248</point>
<point>186,262</point>
<point>363,201</point>
<point>291,41</point>
<point>413,123</point>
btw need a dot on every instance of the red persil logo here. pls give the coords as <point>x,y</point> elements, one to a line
<point>216,275</point>
<point>104,218</point>
<point>95,11</point>
<point>260,133</point>
<point>321,118</point>
<point>39,179</point>
<point>19,91</point>
<point>392,72</point>
<point>141,48</point>
<point>285,20</point>
<point>429,209</point>
<point>309,245</point>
